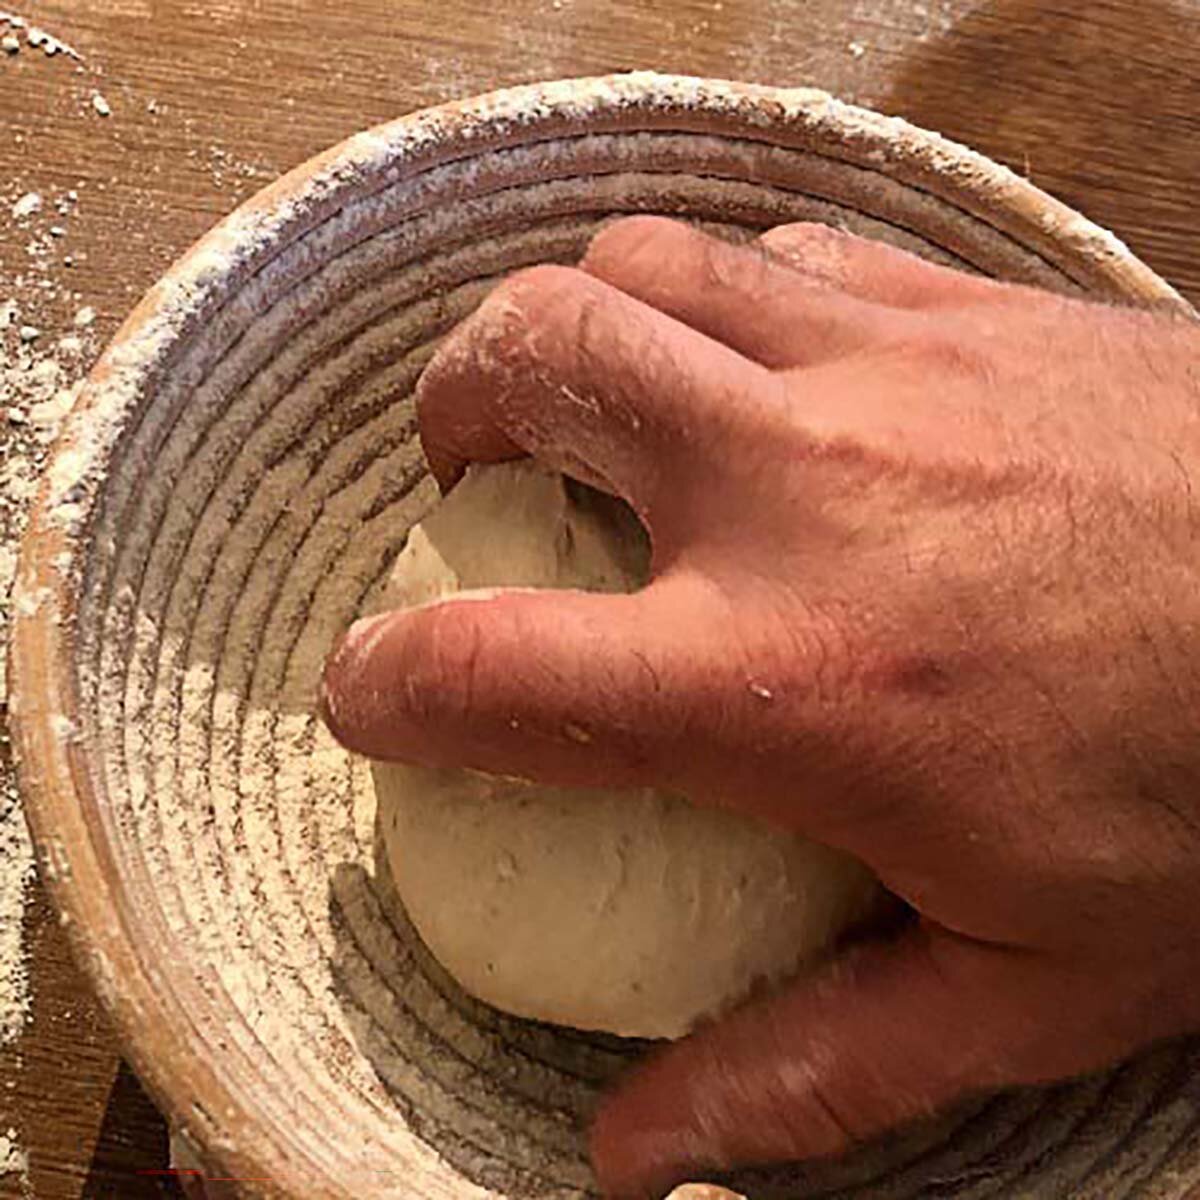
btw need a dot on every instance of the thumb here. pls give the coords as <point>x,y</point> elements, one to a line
<point>563,686</point>
<point>888,1033</point>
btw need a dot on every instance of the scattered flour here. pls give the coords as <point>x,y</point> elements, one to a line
<point>40,374</point>
<point>41,368</point>
<point>16,872</point>
<point>36,37</point>
<point>14,1160</point>
<point>28,204</point>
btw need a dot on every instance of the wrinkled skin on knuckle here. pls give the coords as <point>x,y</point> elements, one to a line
<point>739,273</point>
<point>542,329</point>
<point>523,313</point>
<point>944,347</point>
<point>825,648</point>
<point>534,293</point>
<point>790,709</point>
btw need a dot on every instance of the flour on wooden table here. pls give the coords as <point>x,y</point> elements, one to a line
<point>39,379</point>
<point>35,37</point>
<point>40,373</point>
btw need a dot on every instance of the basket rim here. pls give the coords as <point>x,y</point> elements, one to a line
<point>53,772</point>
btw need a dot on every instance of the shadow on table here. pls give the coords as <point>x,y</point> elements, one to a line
<point>1096,103</point>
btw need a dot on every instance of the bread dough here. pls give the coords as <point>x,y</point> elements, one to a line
<point>627,911</point>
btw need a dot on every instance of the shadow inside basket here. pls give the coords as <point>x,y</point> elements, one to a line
<point>506,1102</point>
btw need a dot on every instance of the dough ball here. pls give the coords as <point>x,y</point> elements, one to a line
<point>703,1191</point>
<point>627,911</point>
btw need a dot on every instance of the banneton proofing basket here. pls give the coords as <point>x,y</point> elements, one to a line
<point>240,471</point>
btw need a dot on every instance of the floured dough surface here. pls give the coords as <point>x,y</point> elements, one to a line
<point>627,911</point>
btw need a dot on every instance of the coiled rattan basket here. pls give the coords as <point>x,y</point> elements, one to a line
<point>239,472</point>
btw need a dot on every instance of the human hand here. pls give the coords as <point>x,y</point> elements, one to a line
<point>924,589</point>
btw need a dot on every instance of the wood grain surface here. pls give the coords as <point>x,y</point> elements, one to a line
<point>210,99</point>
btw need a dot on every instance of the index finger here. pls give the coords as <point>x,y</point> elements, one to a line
<point>592,382</point>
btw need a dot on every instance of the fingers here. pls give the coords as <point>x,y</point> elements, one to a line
<point>887,1034</point>
<point>606,372</point>
<point>736,295</point>
<point>872,271</point>
<point>566,687</point>
<point>562,366</point>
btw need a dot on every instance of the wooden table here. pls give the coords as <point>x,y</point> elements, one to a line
<point>209,99</point>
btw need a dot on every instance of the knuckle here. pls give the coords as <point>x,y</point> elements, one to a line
<point>630,240</point>
<point>549,308</point>
<point>946,351</point>
<point>528,296</point>
<point>917,673</point>
<point>812,247</point>
<point>802,233</point>
<point>736,272</point>
<point>522,331</point>
<point>810,648</point>
<point>832,655</point>
<point>822,1108</point>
